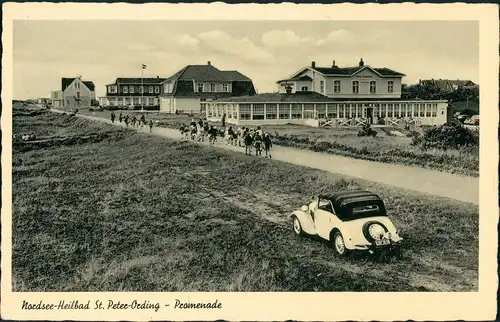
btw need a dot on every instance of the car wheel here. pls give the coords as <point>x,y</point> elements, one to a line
<point>297,227</point>
<point>339,244</point>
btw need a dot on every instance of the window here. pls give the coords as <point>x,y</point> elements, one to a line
<point>373,87</point>
<point>136,101</point>
<point>151,89</point>
<point>131,89</point>
<point>322,86</point>
<point>342,111</point>
<point>390,86</point>
<point>151,101</point>
<point>405,112</point>
<point>141,89</point>
<point>271,111</point>
<point>434,110</point>
<point>336,86</point>
<point>376,110</point>
<point>78,95</point>
<point>125,89</point>
<point>258,112</point>
<point>212,87</point>
<point>383,110</point>
<point>296,111</point>
<point>397,110</point>
<point>332,110</point>
<point>304,88</point>
<point>321,110</point>
<point>359,110</point>
<point>284,111</point>
<point>390,110</point>
<point>200,87</point>
<point>428,110</point>
<point>355,87</point>
<point>225,88</point>
<point>128,101</point>
<point>421,110</point>
<point>245,111</point>
<point>157,89</point>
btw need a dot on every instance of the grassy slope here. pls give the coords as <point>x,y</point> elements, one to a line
<point>345,142</point>
<point>141,213</point>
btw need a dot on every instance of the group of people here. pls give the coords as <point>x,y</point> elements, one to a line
<point>249,138</point>
<point>134,121</point>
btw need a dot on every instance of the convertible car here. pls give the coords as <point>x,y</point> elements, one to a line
<point>351,221</point>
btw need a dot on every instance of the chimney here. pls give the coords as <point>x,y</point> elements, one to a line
<point>157,77</point>
<point>333,65</point>
<point>208,63</point>
<point>313,64</point>
<point>361,62</point>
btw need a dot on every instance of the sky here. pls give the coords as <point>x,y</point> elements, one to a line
<point>266,51</point>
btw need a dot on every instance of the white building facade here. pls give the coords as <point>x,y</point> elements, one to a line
<point>352,96</point>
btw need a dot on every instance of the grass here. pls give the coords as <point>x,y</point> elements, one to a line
<point>345,142</point>
<point>135,212</point>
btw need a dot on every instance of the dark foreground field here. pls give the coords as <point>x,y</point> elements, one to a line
<point>134,212</point>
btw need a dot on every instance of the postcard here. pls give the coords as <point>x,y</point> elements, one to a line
<point>244,162</point>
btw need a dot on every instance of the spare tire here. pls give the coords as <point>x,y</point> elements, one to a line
<point>366,229</point>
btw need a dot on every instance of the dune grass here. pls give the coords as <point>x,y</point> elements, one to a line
<point>135,212</point>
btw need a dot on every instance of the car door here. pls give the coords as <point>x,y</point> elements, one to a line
<point>323,220</point>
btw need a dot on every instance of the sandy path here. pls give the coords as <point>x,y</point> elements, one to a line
<point>432,182</point>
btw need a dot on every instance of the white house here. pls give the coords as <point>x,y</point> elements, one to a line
<point>362,81</point>
<point>74,93</point>
<point>187,90</point>
<point>350,96</point>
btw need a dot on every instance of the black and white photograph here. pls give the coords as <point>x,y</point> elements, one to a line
<point>251,156</point>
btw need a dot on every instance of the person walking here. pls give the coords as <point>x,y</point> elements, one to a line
<point>150,126</point>
<point>112,117</point>
<point>267,144</point>
<point>121,117</point>
<point>126,120</point>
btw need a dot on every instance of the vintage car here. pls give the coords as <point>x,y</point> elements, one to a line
<point>350,221</point>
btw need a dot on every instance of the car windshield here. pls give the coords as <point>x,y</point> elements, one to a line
<point>364,209</point>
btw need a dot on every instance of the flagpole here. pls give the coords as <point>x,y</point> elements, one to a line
<point>142,86</point>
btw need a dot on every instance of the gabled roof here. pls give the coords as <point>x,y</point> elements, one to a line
<point>300,78</point>
<point>65,82</point>
<point>350,71</point>
<point>90,85</point>
<point>207,73</point>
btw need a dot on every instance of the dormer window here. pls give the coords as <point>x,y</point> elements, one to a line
<point>151,89</point>
<point>131,89</point>
<point>373,87</point>
<point>125,89</point>
<point>304,88</point>
<point>212,87</point>
<point>200,87</point>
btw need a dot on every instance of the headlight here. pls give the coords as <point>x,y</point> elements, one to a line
<point>376,231</point>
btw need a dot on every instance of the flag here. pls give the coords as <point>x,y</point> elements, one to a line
<point>144,66</point>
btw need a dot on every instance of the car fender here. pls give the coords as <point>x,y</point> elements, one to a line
<point>350,239</point>
<point>305,221</point>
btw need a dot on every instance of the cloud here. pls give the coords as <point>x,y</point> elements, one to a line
<point>337,36</point>
<point>243,48</point>
<point>283,38</point>
<point>187,41</point>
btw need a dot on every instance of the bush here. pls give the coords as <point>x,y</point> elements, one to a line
<point>367,131</point>
<point>452,135</point>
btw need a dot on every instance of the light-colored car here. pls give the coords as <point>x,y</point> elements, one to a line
<point>351,221</point>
